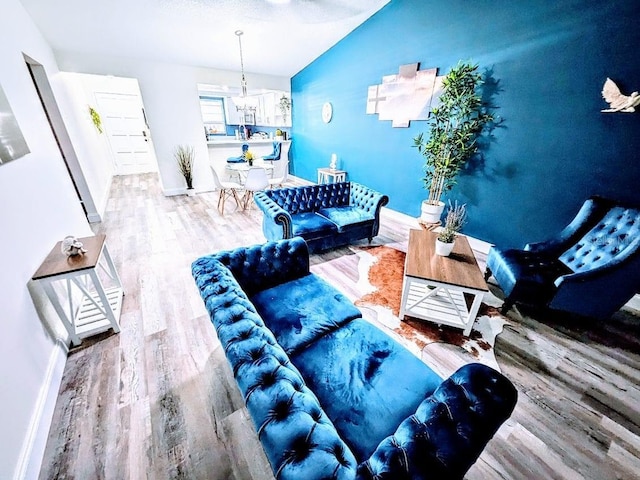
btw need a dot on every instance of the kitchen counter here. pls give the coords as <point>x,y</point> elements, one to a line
<point>232,141</point>
<point>225,147</point>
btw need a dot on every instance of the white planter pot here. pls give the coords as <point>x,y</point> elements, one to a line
<point>431,213</point>
<point>191,192</point>
<point>443,249</point>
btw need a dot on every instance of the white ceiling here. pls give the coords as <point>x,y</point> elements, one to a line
<point>280,37</point>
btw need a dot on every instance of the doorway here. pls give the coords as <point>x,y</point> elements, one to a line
<point>61,135</point>
<point>127,130</point>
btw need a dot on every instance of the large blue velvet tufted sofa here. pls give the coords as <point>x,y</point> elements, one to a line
<point>326,216</point>
<point>332,396</point>
<point>591,268</point>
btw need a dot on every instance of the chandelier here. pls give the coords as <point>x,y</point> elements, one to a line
<point>243,103</point>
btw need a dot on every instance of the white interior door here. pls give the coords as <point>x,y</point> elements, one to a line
<point>129,137</point>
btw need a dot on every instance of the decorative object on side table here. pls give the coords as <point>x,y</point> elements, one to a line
<point>454,127</point>
<point>185,155</point>
<point>334,161</point>
<point>456,218</point>
<point>71,246</point>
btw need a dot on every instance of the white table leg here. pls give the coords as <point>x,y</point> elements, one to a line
<point>67,320</point>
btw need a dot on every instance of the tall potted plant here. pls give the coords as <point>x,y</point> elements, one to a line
<point>454,127</point>
<point>184,155</point>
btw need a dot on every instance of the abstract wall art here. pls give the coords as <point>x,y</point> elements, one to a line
<point>12,143</point>
<point>408,95</point>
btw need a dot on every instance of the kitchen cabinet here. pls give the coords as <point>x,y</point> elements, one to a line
<point>267,114</point>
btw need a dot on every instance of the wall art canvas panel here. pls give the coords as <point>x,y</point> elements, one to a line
<point>405,96</point>
<point>12,143</point>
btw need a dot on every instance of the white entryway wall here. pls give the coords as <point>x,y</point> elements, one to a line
<point>123,124</point>
<point>38,207</point>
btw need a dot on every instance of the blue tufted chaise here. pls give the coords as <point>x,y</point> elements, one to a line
<point>591,269</point>
<point>332,396</point>
<point>326,216</point>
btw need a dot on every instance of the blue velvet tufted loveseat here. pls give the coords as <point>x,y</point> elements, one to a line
<point>326,216</point>
<point>332,396</point>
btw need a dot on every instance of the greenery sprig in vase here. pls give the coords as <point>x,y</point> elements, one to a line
<point>455,125</point>
<point>455,220</point>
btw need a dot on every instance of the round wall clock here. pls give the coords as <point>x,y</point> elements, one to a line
<point>327,112</point>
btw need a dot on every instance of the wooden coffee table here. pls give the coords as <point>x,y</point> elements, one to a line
<point>443,290</point>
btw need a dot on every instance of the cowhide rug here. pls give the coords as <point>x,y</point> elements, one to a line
<point>380,283</point>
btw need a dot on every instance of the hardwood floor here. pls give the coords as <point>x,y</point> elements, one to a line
<point>158,400</point>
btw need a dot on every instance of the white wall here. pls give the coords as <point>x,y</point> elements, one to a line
<point>170,96</point>
<point>38,207</point>
<point>92,148</point>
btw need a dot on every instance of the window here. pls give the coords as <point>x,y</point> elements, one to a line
<point>212,109</point>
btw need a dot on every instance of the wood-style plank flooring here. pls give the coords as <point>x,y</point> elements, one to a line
<point>158,400</point>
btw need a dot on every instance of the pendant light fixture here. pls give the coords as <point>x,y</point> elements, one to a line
<point>243,103</point>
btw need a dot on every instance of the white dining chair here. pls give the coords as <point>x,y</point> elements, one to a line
<point>280,173</point>
<point>227,189</point>
<point>257,180</point>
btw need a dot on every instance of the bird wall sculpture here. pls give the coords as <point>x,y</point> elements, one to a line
<point>616,100</point>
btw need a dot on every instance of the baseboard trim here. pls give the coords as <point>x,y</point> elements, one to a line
<point>35,440</point>
<point>172,192</point>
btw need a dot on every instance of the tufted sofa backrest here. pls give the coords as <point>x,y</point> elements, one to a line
<point>260,267</point>
<point>616,233</point>
<point>311,198</point>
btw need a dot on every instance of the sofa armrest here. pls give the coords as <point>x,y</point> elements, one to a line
<point>259,267</point>
<point>368,200</point>
<point>276,223</point>
<point>449,430</point>
<point>300,441</point>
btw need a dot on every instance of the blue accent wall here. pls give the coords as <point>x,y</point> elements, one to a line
<point>554,147</point>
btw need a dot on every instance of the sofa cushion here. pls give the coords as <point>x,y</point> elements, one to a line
<point>300,311</point>
<point>346,216</point>
<point>366,382</point>
<point>311,225</point>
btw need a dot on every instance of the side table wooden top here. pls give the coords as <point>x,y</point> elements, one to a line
<point>330,171</point>
<point>460,268</point>
<point>57,263</point>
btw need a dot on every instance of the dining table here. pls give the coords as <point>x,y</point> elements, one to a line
<point>240,170</point>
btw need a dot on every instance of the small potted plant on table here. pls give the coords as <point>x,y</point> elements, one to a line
<point>456,218</point>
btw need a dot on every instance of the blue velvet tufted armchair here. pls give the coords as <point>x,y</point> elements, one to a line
<point>591,269</point>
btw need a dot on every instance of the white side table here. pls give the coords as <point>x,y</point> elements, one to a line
<point>325,175</point>
<point>91,307</point>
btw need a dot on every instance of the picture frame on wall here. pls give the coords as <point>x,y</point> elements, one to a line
<point>12,142</point>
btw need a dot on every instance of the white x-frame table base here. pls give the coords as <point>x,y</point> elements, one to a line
<point>440,303</point>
